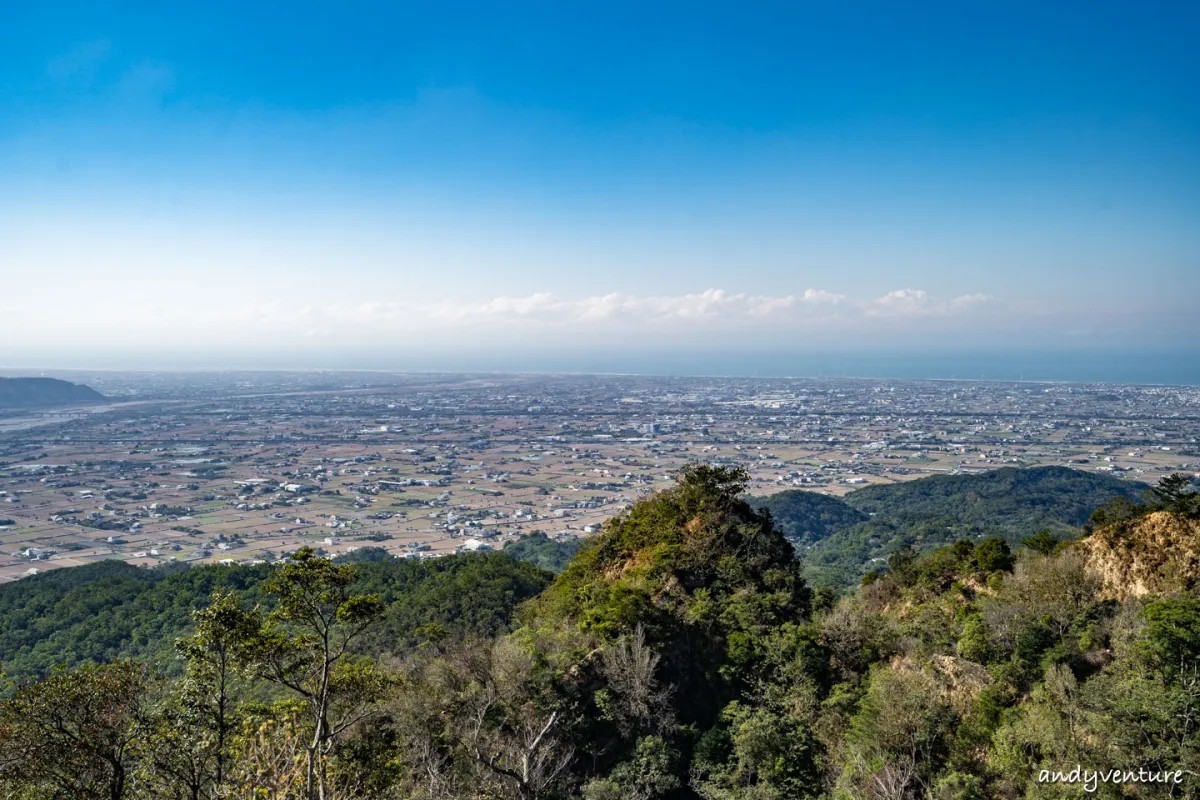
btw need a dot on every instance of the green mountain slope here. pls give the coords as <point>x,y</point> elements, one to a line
<point>842,539</point>
<point>689,565</point>
<point>110,610</point>
<point>1020,500</point>
<point>807,517</point>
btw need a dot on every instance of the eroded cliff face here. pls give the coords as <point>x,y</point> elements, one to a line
<point>1155,554</point>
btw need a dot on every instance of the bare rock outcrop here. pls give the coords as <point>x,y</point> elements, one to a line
<point>1155,554</point>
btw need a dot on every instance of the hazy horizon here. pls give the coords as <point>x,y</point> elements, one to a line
<point>1178,367</point>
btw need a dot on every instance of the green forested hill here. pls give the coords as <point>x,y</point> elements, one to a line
<point>542,551</point>
<point>808,517</point>
<point>103,611</point>
<point>109,610</point>
<point>700,570</point>
<point>841,539</point>
<point>1010,499</point>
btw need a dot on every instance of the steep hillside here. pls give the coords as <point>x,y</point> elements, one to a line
<point>699,570</point>
<point>30,393</point>
<point>1155,554</point>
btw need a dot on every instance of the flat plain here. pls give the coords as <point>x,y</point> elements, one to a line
<point>242,467</point>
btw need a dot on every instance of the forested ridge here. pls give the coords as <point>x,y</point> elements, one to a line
<point>843,538</point>
<point>680,654</point>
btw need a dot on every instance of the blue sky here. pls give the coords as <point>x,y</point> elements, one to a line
<point>626,175</point>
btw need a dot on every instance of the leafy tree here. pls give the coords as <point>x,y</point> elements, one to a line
<point>1047,732</point>
<point>824,598</point>
<point>305,646</point>
<point>959,786</point>
<point>993,555</point>
<point>363,555</point>
<point>765,751</point>
<point>1043,542</point>
<point>1117,511</point>
<point>1043,595</point>
<point>902,565</point>
<point>647,775</point>
<point>189,752</point>
<point>1176,493</point>
<point>75,734</point>
<point>1171,639</point>
<point>900,736</point>
<point>1147,718</point>
<point>974,643</point>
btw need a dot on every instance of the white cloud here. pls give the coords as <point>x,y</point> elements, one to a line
<point>539,318</point>
<point>710,309</point>
<point>821,296</point>
<point>918,303</point>
<point>710,306</point>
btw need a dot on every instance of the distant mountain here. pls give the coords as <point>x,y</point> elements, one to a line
<point>22,393</point>
<point>1021,500</point>
<point>807,517</point>
<point>842,539</point>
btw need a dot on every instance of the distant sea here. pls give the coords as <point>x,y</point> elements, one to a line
<point>1143,368</point>
<point>1181,367</point>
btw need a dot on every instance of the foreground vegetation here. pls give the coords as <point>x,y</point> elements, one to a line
<point>111,610</point>
<point>680,654</point>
